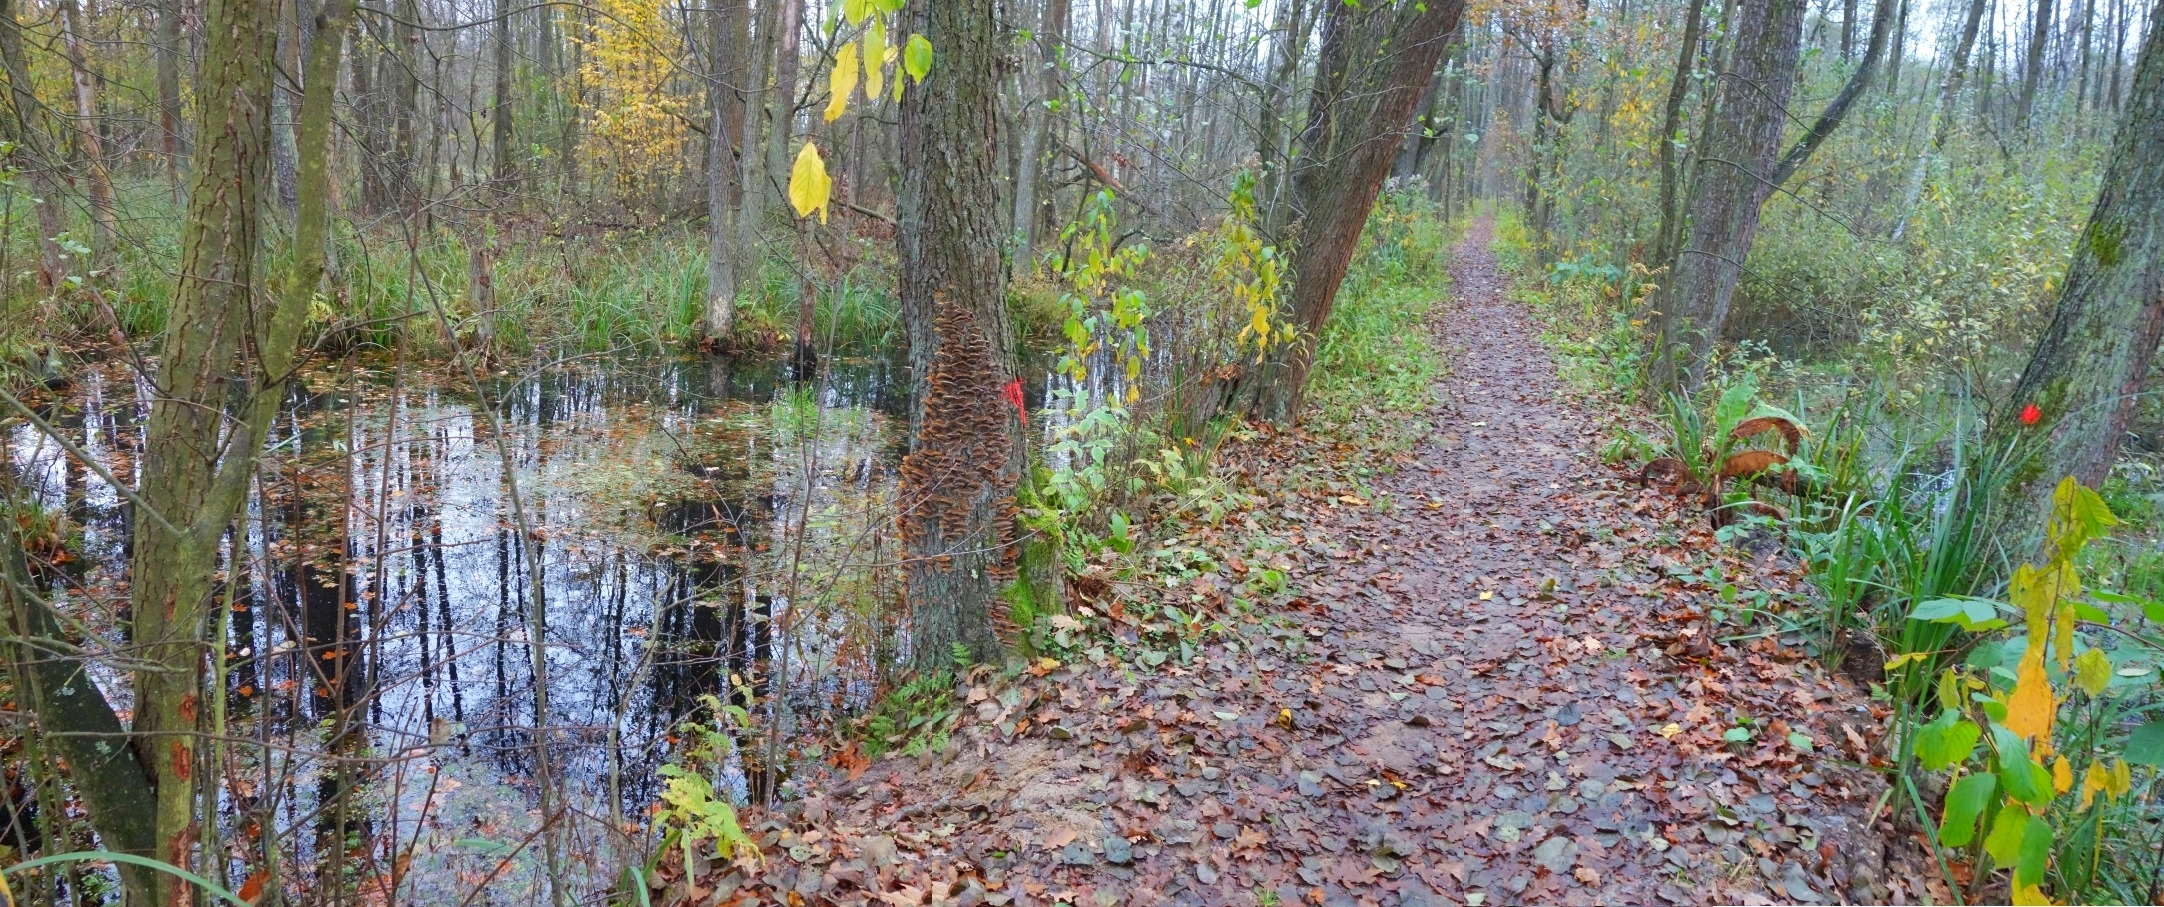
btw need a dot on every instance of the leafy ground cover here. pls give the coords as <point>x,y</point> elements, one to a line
<point>1483,670</point>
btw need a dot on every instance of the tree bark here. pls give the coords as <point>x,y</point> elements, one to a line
<point>1733,180</point>
<point>171,128</point>
<point>73,718</point>
<point>86,114</point>
<point>2033,67</point>
<point>35,153</point>
<point>1664,242</point>
<point>2086,371</point>
<point>1882,18</point>
<point>1051,41</point>
<point>1374,61</point>
<point>726,140</point>
<point>1271,119</point>
<point>199,461</point>
<point>1942,116</point>
<point>957,484</point>
<point>502,162</point>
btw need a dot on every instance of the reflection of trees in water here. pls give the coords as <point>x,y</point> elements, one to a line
<point>379,593</point>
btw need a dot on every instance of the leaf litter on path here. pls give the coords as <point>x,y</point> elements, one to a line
<point>1508,691</point>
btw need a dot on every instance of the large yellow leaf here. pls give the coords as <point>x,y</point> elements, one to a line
<point>2029,711</point>
<point>875,60</point>
<point>842,82</point>
<point>2062,775</point>
<point>809,186</point>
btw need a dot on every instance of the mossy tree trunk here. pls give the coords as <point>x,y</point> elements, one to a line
<point>226,353</point>
<point>2085,375</point>
<point>1733,180</point>
<point>958,481</point>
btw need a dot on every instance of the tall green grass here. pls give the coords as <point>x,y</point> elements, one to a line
<point>568,291</point>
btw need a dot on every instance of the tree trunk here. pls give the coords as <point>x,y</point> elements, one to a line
<point>1836,110</point>
<point>781,105</point>
<point>1374,61</point>
<point>171,129</point>
<point>957,484</point>
<point>2033,72</point>
<point>1679,88</point>
<point>1051,40</point>
<point>86,112</point>
<point>197,470</point>
<point>725,141</point>
<point>2086,372</point>
<point>1270,121</point>
<point>72,718</point>
<point>1942,117</point>
<point>503,165</point>
<point>1732,182</point>
<point>1848,29</point>
<point>34,152</point>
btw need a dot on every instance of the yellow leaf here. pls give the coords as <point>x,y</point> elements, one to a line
<point>842,82</point>
<point>2062,775</point>
<point>2092,784</point>
<point>2121,781</point>
<point>875,60</point>
<point>855,10</point>
<point>2092,671</point>
<point>2029,710</point>
<point>1284,717</point>
<point>2030,894</point>
<point>809,186</point>
<point>1902,661</point>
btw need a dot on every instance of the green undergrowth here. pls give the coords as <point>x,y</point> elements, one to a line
<point>2032,777</point>
<point>559,287</point>
<point>1210,557</point>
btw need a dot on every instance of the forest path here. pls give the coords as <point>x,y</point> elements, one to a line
<point>1496,684</point>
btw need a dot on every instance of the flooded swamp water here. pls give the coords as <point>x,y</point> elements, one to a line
<point>703,528</point>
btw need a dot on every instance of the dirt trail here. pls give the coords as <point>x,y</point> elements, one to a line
<point>1498,690</point>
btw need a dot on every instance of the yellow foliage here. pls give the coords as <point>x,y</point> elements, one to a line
<point>842,83</point>
<point>2030,709</point>
<point>809,186</point>
<point>633,122</point>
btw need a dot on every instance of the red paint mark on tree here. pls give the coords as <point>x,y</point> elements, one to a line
<point>1013,393</point>
<point>2030,414</point>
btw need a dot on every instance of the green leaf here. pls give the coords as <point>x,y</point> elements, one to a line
<point>2025,780</point>
<point>917,58</point>
<point>1973,614</point>
<point>1802,742</point>
<point>1947,742</point>
<point>2004,842</point>
<point>1965,801</point>
<point>2146,745</point>
<point>2035,851</point>
<point>1737,735</point>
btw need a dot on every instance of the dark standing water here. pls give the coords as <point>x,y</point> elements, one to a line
<point>698,522</point>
